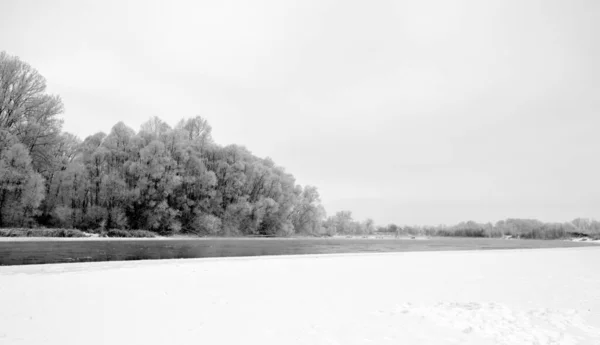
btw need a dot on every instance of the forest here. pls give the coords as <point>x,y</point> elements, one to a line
<point>169,180</point>
<point>162,179</point>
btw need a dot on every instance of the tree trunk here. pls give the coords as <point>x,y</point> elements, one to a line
<point>2,208</point>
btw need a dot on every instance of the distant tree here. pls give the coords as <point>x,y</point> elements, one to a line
<point>586,225</point>
<point>368,226</point>
<point>308,213</point>
<point>154,129</point>
<point>196,129</point>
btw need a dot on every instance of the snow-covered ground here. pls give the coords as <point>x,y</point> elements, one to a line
<point>540,296</point>
<point>585,239</point>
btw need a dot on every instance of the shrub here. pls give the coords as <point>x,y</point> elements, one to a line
<point>117,233</point>
<point>286,229</point>
<point>207,224</point>
<point>94,218</point>
<point>329,231</point>
<point>142,233</point>
<point>63,216</point>
<point>116,219</point>
<point>42,233</point>
<point>12,233</point>
<point>130,233</point>
<point>70,233</point>
<point>163,219</point>
<point>174,227</point>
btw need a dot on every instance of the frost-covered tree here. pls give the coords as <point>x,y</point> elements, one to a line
<point>21,188</point>
<point>28,112</point>
<point>159,178</point>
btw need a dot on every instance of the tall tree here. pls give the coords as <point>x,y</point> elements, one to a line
<point>21,188</point>
<point>27,112</point>
<point>196,129</point>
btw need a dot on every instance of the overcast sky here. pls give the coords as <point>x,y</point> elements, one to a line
<point>413,112</point>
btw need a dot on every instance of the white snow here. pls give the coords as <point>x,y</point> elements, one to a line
<point>585,239</point>
<point>541,296</point>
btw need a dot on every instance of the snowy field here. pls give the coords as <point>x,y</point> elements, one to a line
<point>540,296</point>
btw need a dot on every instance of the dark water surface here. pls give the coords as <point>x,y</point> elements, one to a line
<point>59,251</point>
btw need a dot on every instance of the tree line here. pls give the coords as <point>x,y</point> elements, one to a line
<point>169,179</point>
<point>163,179</point>
<point>512,227</point>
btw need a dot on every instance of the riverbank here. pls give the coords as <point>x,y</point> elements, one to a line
<point>23,251</point>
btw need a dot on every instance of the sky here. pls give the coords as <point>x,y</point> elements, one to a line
<point>412,112</point>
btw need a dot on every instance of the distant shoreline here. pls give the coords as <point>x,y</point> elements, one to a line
<point>173,238</point>
<point>192,238</point>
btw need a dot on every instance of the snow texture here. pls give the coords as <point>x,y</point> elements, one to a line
<point>540,296</point>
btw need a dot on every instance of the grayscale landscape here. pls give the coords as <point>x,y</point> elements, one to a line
<point>299,172</point>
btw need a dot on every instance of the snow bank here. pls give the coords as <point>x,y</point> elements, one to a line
<point>542,296</point>
<point>585,239</point>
